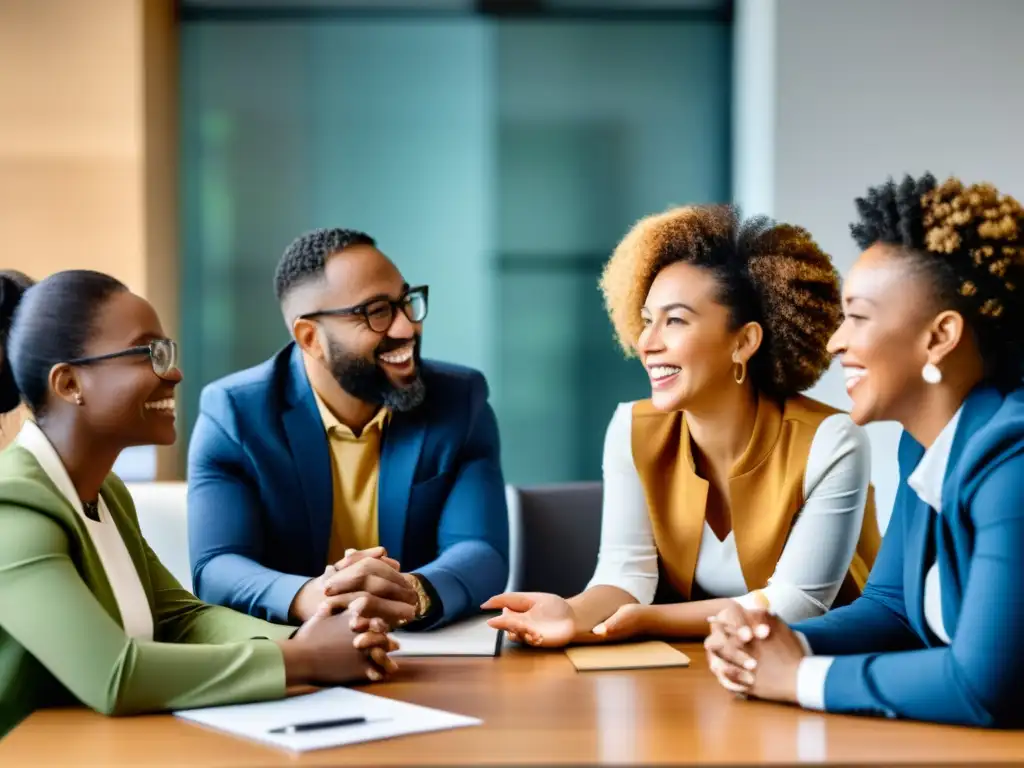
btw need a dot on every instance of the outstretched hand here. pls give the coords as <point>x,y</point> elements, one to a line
<point>537,618</point>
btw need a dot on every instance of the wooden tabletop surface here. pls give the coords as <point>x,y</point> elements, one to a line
<point>535,708</point>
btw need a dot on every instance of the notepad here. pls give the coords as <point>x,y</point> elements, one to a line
<point>471,637</point>
<point>646,655</point>
<point>385,718</point>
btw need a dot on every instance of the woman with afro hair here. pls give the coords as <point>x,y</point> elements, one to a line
<point>727,486</point>
<point>933,338</point>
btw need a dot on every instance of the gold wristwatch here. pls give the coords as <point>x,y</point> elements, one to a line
<point>423,601</point>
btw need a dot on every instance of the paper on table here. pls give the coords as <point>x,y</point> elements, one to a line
<point>471,637</point>
<point>645,655</point>
<point>385,718</point>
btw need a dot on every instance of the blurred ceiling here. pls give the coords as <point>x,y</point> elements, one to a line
<point>282,8</point>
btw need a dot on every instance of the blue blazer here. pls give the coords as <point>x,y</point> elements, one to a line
<point>889,662</point>
<point>260,490</point>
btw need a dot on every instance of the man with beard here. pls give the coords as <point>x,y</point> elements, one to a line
<point>345,468</point>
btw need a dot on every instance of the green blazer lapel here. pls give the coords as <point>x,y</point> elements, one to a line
<point>30,486</point>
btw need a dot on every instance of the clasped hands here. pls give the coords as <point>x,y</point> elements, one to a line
<point>375,596</point>
<point>754,653</point>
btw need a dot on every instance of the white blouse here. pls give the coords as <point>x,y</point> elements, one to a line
<point>818,551</point>
<point>132,602</point>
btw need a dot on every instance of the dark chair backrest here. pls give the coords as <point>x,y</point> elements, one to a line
<point>555,534</point>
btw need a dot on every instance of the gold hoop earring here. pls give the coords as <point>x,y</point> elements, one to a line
<point>742,377</point>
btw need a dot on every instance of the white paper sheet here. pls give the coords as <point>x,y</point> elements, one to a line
<point>385,718</point>
<point>471,637</point>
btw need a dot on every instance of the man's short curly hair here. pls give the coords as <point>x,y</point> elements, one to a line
<point>304,259</point>
<point>770,273</point>
<point>969,242</point>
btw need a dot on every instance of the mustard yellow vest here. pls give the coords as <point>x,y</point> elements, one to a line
<point>765,491</point>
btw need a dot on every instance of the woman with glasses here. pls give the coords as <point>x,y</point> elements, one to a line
<point>727,486</point>
<point>87,612</point>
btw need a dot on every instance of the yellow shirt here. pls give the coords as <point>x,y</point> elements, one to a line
<point>355,470</point>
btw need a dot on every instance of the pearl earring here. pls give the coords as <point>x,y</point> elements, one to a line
<point>78,398</point>
<point>931,373</point>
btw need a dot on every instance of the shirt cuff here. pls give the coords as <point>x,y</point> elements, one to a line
<point>810,680</point>
<point>278,598</point>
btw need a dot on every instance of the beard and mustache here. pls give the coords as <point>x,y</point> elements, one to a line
<point>367,381</point>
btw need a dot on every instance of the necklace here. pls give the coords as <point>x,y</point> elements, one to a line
<point>92,510</point>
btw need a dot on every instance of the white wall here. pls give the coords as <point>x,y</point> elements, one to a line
<point>863,90</point>
<point>753,106</point>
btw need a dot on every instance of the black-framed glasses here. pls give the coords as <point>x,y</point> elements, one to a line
<point>379,314</point>
<point>163,356</point>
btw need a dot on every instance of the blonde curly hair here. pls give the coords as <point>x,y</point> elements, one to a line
<point>770,273</point>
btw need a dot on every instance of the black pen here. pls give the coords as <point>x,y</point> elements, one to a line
<point>318,725</point>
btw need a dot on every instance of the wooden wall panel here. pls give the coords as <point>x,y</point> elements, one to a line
<point>88,166</point>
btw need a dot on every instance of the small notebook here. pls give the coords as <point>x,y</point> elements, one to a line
<point>470,637</point>
<point>646,655</point>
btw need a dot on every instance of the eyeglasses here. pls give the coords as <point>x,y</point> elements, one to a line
<point>163,356</point>
<point>379,314</point>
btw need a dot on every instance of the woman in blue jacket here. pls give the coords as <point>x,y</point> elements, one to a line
<point>933,337</point>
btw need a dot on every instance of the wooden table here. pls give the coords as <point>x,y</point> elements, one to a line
<point>535,708</point>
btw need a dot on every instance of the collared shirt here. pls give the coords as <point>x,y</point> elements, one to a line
<point>355,472</point>
<point>132,603</point>
<point>926,481</point>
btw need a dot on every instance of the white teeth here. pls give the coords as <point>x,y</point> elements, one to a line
<point>399,356</point>
<point>663,371</point>
<point>853,376</point>
<point>167,404</point>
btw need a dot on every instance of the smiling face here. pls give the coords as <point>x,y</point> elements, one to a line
<point>123,400</point>
<point>687,344</point>
<point>885,337</point>
<point>375,366</point>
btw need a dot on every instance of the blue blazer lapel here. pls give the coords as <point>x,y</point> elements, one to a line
<point>311,455</point>
<point>920,532</point>
<point>978,409</point>
<point>400,453</point>
<point>950,550</point>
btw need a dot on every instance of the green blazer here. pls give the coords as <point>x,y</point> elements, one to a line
<point>61,636</point>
